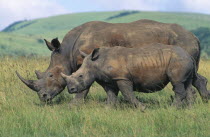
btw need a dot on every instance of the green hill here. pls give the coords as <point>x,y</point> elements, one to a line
<point>21,45</point>
<point>27,35</point>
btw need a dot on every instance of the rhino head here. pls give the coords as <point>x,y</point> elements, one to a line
<point>84,77</point>
<point>49,83</point>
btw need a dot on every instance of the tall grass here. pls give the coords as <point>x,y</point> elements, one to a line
<point>21,113</point>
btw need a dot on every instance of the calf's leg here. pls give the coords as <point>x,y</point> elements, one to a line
<point>180,75</point>
<point>111,95</point>
<point>191,94</point>
<point>126,87</point>
<point>180,94</point>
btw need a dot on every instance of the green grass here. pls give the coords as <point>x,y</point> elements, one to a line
<point>21,113</point>
<point>27,34</point>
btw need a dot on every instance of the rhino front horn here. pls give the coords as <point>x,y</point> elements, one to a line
<point>30,83</point>
<point>65,77</point>
<point>83,54</point>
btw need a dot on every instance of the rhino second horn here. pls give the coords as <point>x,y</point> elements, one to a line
<point>30,83</point>
<point>39,74</point>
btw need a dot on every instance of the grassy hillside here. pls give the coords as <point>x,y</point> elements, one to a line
<point>21,45</point>
<point>58,26</point>
<point>51,25</point>
<point>22,115</point>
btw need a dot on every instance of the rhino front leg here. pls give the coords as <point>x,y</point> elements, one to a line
<point>79,98</point>
<point>126,87</point>
<point>112,94</point>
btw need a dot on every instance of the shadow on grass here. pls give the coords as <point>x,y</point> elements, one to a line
<point>152,102</point>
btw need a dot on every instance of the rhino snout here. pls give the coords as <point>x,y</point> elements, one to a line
<point>45,97</point>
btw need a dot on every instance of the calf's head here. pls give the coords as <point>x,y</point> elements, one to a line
<point>85,76</point>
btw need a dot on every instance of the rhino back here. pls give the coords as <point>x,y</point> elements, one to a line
<point>135,34</point>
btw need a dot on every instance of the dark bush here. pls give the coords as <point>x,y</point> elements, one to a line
<point>3,47</point>
<point>40,41</point>
<point>125,13</point>
<point>203,35</point>
<point>11,26</point>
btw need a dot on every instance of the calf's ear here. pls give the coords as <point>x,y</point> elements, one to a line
<point>95,54</point>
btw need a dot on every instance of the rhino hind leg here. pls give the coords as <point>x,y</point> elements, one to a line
<point>182,86</point>
<point>180,94</point>
<point>191,95</point>
<point>200,83</point>
<point>126,88</point>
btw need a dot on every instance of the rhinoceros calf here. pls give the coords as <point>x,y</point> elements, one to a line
<point>146,70</point>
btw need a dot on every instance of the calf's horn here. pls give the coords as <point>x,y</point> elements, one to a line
<point>83,54</point>
<point>64,76</point>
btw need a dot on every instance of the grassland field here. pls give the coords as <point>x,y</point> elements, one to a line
<point>22,114</point>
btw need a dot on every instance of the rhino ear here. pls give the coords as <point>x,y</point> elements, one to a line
<point>55,43</point>
<point>95,54</point>
<point>49,45</point>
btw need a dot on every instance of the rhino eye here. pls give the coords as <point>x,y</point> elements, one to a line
<point>50,75</point>
<point>80,76</point>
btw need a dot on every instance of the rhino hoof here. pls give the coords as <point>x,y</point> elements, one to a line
<point>141,106</point>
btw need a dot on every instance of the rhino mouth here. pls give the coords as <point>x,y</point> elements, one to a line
<point>48,97</point>
<point>46,100</point>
